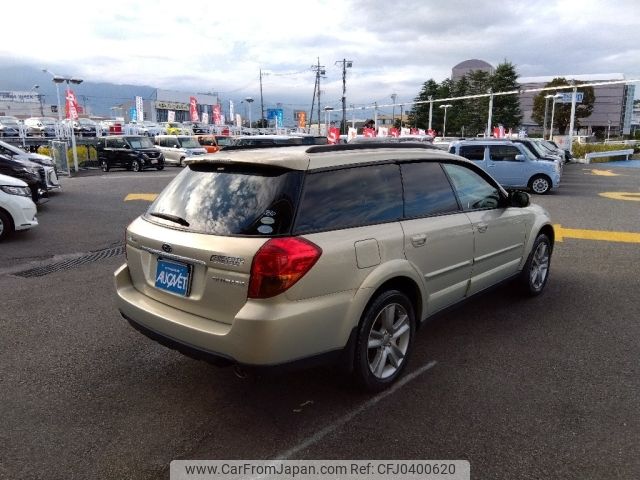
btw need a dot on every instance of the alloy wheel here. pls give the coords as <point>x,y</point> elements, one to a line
<point>388,340</point>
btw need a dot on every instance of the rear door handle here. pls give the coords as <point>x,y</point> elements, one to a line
<point>418,240</point>
<point>482,227</point>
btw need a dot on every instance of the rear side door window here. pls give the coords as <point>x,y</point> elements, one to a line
<point>427,190</point>
<point>472,152</point>
<point>358,196</point>
<point>503,153</point>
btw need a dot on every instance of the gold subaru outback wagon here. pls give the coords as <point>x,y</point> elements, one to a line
<point>303,254</point>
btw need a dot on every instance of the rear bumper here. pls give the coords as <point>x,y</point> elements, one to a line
<point>261,335</point>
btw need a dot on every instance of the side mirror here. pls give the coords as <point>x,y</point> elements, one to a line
<point>519,199</point>
<point>520,158</point>
<point>175,146</point>
<point>128,147</point>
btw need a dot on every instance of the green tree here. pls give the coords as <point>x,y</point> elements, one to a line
<point>562,115</point>
<point>419,116</point>
<point>458,115</point>
<point>478,108</point>
<point>506,108</point>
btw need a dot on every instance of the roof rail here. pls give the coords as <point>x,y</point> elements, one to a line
<point>368,146</point>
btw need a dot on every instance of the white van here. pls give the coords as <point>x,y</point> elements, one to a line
<point>178,148</point>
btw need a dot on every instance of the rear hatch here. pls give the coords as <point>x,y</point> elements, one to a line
<point>194,246</point>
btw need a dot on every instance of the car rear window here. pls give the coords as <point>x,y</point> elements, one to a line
<point>223,199</point>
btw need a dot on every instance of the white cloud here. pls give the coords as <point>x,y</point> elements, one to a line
<point>395,46</point>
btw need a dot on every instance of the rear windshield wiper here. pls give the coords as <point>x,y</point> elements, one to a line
<point>171,218</point>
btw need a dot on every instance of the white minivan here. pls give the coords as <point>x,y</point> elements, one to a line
<point>17,210</point>
<point>178,148</point>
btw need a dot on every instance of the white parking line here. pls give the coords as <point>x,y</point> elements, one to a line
<point>316,437</point>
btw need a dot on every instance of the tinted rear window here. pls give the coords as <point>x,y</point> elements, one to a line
<point>350,197</point>
<point>231,199</point>
<point>427,190</point>
<point>472,152</point>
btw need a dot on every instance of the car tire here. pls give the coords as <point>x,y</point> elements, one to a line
<point>384,342</point>
<point>105,166</point>
<point>180,164</point>
<point>136,166</point>
<point>6,225</point>
<point>160,167</point>
<point>535,272</point>
<point>540,184</point>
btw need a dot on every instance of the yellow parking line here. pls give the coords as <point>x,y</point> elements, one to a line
<point>604,173</point>
<point>630,196</point>
<point>603,235</point>
<point>149,197</point>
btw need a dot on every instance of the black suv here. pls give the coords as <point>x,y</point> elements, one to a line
<point>132,152</point>
<point>197,128</point>
<point>29,172</point>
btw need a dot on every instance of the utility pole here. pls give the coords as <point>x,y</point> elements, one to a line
<point>261,101</point>
<point>345,64</point>
<point>320,72</point>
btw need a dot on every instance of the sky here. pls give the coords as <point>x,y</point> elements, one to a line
<point>220,46</point>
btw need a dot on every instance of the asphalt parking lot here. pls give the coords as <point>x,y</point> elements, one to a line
<point>522,388</point>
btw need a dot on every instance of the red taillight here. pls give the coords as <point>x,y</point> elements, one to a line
<point>279,264</point>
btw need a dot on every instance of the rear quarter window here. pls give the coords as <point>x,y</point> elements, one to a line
<point>350,197</point>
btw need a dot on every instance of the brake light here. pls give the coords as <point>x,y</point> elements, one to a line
<point>279,264</point>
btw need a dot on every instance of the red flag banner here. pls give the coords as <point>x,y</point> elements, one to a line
<point>368,132</point>
<point>217,117</point>
<point>394,132</point>
<point>431,132</point>
<point>193,109</point>
<point>414,131</point>
<point>71,105</point>
<point>334,136</point>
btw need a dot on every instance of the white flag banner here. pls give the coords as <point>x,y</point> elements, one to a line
<point>139,109</point>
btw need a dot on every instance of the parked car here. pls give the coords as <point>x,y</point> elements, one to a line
<point>9,126</point>
<point>208,142</point>
<point>566,154</point>
<point>278,256</point>
<point>132,152</point>
<point>224,140</point>
<point>147,128</point>
<point>50,169</point>
<point>178,148</point>
<point>40,126</point>
<point>17,210</point>
<point>198,128</point>
<point>31,173</point>
<point>174,128</point>
<point>83,127</point>
<point>511,163</point>
<point>539,151</point>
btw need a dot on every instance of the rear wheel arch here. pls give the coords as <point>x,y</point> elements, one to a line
<point>404,285</point>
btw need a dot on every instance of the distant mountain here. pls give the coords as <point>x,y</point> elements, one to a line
<point>98,96</point>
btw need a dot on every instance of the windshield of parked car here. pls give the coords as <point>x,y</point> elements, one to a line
<point>47,121</point>
<point>141,142</point>
<point>188,142</point>
<point>9,121</point>
<point>222,141</point>
<point>224,199</point>
<point>209,141</point>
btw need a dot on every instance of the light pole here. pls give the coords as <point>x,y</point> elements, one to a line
<point>327,119</point>
<point>608,129</point>
<point>430,110</point>
<point>76,81</point>
<point>544,123</point>
<point>444,124</point>
<point>249,100</point>
<point>553,111</point>
<point>35,89</point>
<point>394,96</point>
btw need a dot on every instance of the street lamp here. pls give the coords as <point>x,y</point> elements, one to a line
<point>76,81</point>
<point>544,123</point>
<point>35,89</point>
<point>430,112</point>
<point>327,118</point>
<point>608,129</point>
<point>394,96</point>
<point>553,110</point>
<point>249,100</point>
<point>444,124</point>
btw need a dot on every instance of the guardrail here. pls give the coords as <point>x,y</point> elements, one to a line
<point>612,153</point>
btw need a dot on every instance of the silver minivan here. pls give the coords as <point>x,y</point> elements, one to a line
<point>511,163</point>
<point>178,148</point>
